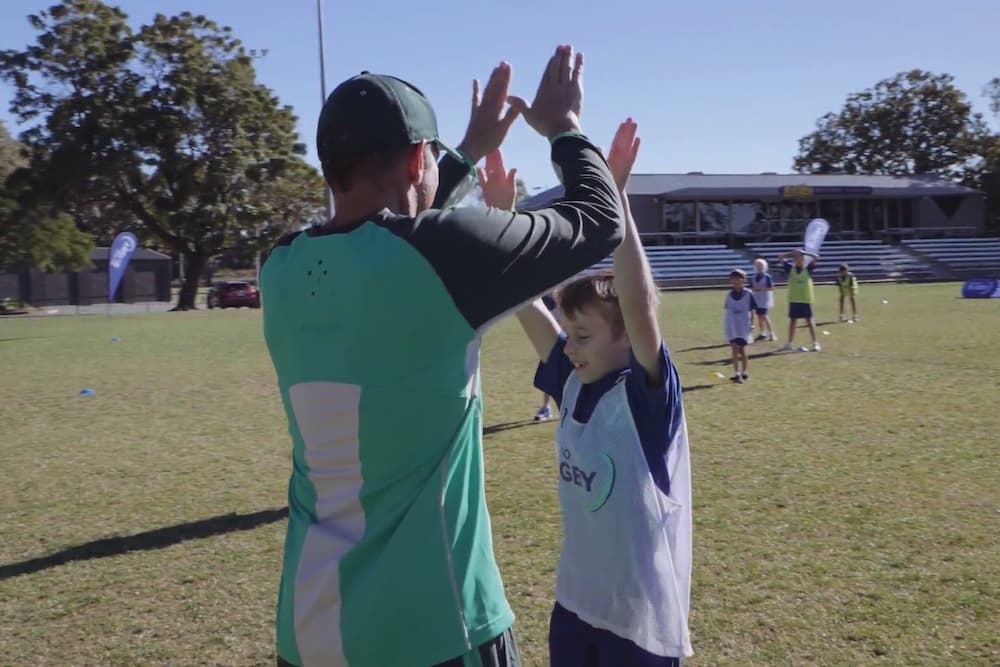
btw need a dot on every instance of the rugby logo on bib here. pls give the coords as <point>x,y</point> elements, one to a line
<point>594,479</point>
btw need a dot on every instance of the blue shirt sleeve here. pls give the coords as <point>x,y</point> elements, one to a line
<point>811,267</point>
<point>657,413</point>
<point>787,265</point>
<point>770,282</point>
<point>552,373</point>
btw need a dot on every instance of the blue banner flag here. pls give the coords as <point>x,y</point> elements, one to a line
<point>118,257</point>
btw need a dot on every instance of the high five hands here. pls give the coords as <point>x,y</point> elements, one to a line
<point>500,186</point>
<point>556,108</point>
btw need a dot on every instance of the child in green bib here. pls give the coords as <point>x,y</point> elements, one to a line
<point>800,295</point>
<point>847,284</point>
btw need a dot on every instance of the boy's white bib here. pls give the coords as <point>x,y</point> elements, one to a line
<point>625,565</point>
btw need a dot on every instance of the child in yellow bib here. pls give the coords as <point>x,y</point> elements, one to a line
<point>847,284</point>
<point>800,295</point>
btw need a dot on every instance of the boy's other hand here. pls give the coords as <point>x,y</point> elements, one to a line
<point>499,186</point>
<point>488,123</point>
<point>559,99</point>
<point>624,149</point>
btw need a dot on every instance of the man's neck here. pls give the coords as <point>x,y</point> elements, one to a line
<point>349,208</point>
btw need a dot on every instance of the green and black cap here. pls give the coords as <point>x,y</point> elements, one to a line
<point>371,113</point>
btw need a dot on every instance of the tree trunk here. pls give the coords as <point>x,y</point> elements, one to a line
<point>194,265</point>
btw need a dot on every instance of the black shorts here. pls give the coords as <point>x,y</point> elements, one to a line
<point>800,311</point>
<point>498,652</point>
<point>574,643</point>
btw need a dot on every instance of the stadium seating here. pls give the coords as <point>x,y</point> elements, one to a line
<point>869,260</point>
<point>709,265</point>
<point>968,257</point>
<point>680,266</point>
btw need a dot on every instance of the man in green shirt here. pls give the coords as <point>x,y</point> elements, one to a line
<point>373,322</point>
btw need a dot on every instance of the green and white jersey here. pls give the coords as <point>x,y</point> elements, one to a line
<point>374,330</point>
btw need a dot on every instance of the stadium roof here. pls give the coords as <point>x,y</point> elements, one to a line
<point>696,185</point>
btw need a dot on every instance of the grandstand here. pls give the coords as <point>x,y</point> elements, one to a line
<point>869,260</point>
<point>697,227</point>
<point>709,266</point>
<point>690,266</point>
<point>962,258</point>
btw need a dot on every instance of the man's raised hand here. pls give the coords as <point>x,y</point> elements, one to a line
<point>559,99</point>
<point>489,122</point>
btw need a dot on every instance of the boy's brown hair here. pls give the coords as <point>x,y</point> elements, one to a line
<point>598,290</point>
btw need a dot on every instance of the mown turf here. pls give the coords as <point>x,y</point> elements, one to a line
<point>846,503</point>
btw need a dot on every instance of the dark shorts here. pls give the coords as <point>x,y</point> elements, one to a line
<point>498,652</point>
<point>573,643</point>
<point>800,311</point>
<point>738,341</point>
<point>760,311</point>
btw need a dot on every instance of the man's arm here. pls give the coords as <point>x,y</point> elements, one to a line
<point>489,122</point>
<point>493,261</point>
<point>456,178</point>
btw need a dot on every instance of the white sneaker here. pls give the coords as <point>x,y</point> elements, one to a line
<point>816,347</point>
<point>773,336</point>
<point>787,347</point>
<point>843,319</point>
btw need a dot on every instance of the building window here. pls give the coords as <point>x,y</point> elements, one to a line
<point>749,218</point>
<point>713,217</point>
<point>678,218</point>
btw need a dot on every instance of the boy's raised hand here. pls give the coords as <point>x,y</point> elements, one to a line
<point>624,149</point>
<point>499,186</point>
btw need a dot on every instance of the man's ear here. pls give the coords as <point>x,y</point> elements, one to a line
<point>415,162</point>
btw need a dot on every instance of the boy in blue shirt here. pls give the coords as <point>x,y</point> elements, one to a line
<point>623,586</point>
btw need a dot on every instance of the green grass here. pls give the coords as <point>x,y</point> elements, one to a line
<point>846,503</point>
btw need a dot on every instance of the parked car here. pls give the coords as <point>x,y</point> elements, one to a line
<point>233,294</point>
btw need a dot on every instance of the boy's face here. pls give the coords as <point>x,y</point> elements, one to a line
<point>843,271</point>
<point>737,282</point>
<point>592,346</point>
<point>800,258</point>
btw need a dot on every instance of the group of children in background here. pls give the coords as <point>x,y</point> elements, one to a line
<point>742,303</point>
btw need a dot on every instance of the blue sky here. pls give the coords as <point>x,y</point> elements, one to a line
<point>724,86</point>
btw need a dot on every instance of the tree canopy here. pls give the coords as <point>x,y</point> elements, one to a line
<point>163,128</point>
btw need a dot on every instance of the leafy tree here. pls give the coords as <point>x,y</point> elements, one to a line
<point>993,93</point>
<point>38,235</point>
<point>986,175</point>
<point>33,235</point>
<point>10,153</point>
<point>914,123</point>
<point>164,125</point>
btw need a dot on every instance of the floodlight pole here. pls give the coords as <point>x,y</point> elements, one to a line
<point>322,88</point>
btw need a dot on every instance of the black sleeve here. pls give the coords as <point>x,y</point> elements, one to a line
<point>456,179</point>
<point>493,261</point>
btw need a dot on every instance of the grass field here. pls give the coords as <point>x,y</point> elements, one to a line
<point>847,503</point>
